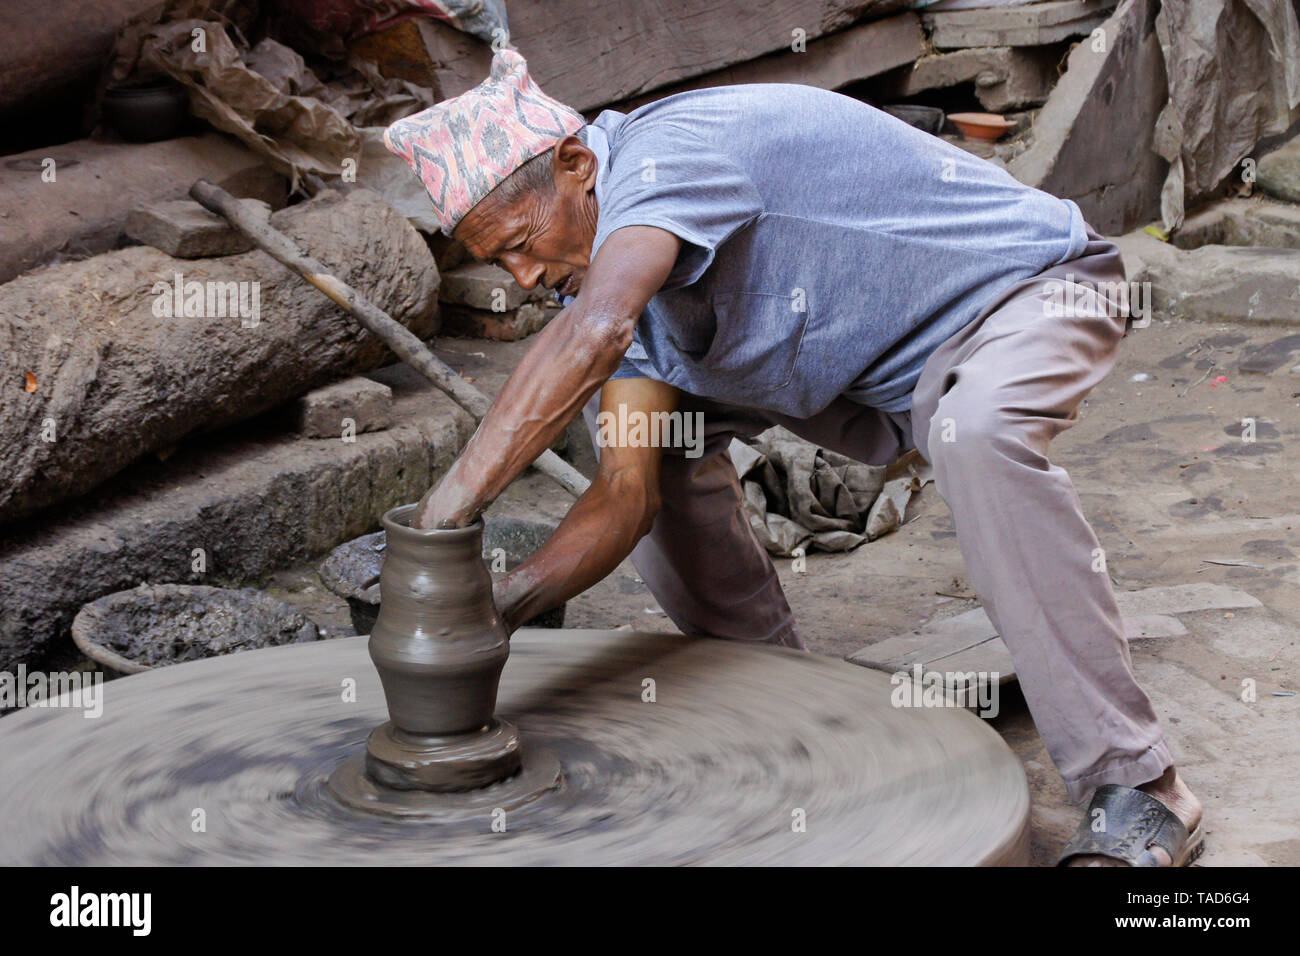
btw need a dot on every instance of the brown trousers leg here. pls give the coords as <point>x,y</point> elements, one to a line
<point>989,401</point>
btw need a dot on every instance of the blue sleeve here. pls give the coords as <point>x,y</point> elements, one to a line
<point>667,176</point>
<point>636,363</point>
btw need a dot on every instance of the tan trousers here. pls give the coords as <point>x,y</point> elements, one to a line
<point>988,403</point>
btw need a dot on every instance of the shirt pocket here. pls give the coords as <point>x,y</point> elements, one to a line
<point>757,340</point>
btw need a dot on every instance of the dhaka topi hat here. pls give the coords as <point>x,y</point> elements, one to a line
<point>462,148</point>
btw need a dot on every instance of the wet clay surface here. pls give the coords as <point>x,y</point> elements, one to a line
<point>745,755</point>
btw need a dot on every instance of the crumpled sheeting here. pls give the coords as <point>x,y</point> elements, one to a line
<point>266,95</point>
<point>1233,68</point>
<point>799,496</point>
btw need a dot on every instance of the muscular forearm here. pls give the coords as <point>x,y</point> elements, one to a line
<point>600,530</point>
<point>569,361</point>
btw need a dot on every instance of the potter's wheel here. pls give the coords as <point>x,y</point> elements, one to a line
<point>712,772</point>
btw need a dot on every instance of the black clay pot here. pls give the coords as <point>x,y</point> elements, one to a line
<point>145,112</point>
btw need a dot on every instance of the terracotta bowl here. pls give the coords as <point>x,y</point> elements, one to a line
<point>982,126</point>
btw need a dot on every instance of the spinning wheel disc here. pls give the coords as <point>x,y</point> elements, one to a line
<point>226,761</point>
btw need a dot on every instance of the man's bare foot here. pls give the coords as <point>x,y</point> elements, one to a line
<point>1170,790</point>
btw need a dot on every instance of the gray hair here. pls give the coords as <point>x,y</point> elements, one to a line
<point>537,175</point>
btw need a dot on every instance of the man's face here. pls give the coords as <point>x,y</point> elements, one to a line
<point>544,236</point>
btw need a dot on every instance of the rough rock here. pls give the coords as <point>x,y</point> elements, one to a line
<point>99,373</point>
<point>1279,172</point>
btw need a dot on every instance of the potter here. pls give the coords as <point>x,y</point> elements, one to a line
<point>782,255</point>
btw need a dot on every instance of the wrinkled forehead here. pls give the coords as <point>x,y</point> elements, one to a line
<point>492,225</point>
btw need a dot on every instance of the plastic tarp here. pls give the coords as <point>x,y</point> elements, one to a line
<point>266,95</point>
<point>799,496</point>
<point>1233,69</point>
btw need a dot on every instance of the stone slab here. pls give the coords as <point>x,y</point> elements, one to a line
<point>828,63</point>
<point>969,642</point>
<point>1027,25</point>
<point>83,209</point>
<point>348,407</point>
<point>184,229</point>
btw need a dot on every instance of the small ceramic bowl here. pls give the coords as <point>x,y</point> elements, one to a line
<point>982,126</point>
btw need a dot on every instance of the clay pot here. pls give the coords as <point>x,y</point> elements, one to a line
<point>438,644</point>
<point>145,112</point>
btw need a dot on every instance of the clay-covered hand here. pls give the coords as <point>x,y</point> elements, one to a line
<point>442,507</point>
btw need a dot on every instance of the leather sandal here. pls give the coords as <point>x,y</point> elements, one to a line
<point>1133,824</point>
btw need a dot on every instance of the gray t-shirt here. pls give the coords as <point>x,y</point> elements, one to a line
<point>828,248</point>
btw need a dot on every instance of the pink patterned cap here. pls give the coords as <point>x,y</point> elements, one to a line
<point>462,148</point>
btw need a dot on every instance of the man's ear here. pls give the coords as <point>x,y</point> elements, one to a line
<point>575,163</point>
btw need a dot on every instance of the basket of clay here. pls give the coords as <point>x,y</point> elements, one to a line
<point>352,570</point>
<point>153,625</point>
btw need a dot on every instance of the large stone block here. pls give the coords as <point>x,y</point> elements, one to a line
<point>481,285</point>
<point>227,509</point>
<point>349,407</point>
<point>1092,140</point>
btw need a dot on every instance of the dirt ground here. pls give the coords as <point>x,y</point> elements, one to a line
<point>1169,485</point>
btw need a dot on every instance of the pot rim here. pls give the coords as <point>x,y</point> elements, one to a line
<point>395,523</point>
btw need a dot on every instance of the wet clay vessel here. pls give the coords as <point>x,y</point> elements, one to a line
<point>439,647</point>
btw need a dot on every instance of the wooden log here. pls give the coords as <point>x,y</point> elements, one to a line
<point>830,62</point>
<point>46,53</point>
<point>99,370</point>
<point>587,53</point>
